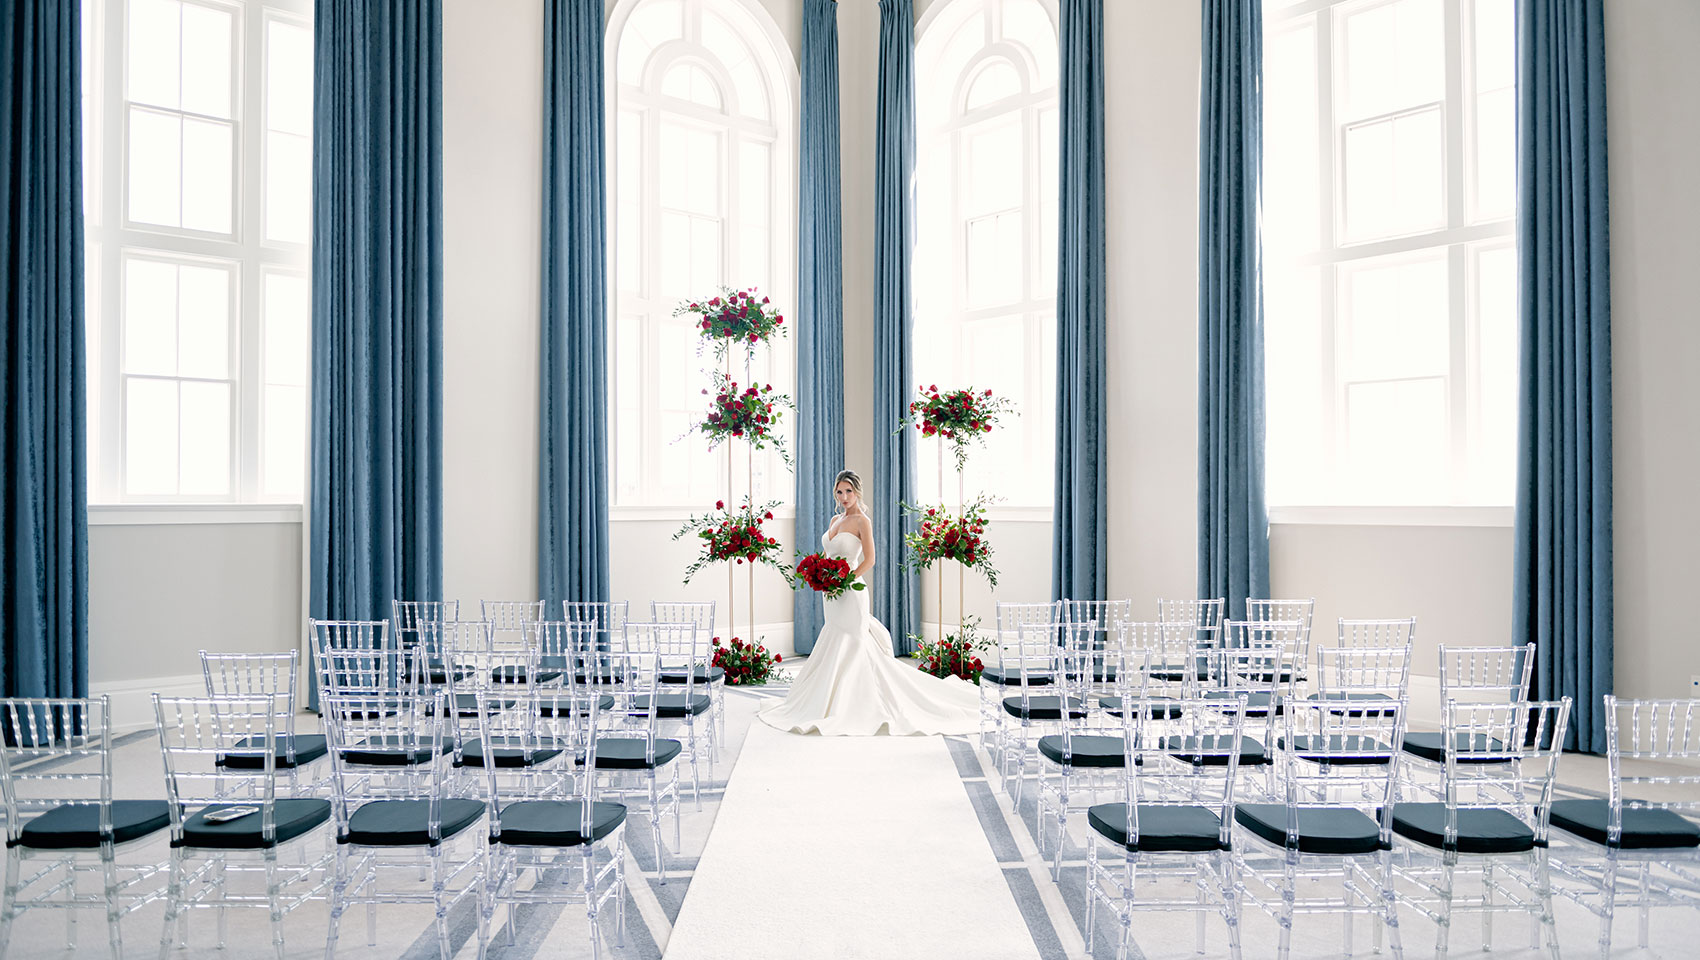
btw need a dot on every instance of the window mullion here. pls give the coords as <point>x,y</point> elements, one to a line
<point>1328,197</point>
<point>249,63</point>
<point>110,109</point>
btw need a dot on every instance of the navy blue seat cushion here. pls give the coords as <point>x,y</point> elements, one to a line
<point>1012,678</point>
<point>466,704</point>
<point>1256,701</point>
<point>671,706</point>
<point>556,823</point>
<point>290,819</point>
<point>1316,751</point>
<point>705,674</point>
<point>1644,828</point>
<point>406,823</point>
<point>548,707</point>
<point>1088,751</point>
<point>1044,708</point>
<point>516,674</point>
<point>308,747</point>
<point>627,753</point>
<point>1159,711</point>
<point>1252,753</point>
<point>1332,830</point>
<point>1162,829</point>
<point>76,826</point>
<point>509,753</point>
<point>1431,745</point>
<point>392,752</point>
<point>1479,831</point>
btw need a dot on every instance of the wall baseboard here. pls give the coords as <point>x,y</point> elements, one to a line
<point>132,700</point>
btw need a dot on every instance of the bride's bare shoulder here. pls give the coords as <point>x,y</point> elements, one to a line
<point>856,523</point>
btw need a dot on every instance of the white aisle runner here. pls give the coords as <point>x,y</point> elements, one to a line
<point>847,847</point>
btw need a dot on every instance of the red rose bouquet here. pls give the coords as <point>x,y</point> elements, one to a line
<point>735,316</point>
<point>734,535</point>
<point>959,416</point>
<point>829,576</point>
<point>953,656</point>
<point>751,413</point>
<point>747,663</point>
<point>942,535</point>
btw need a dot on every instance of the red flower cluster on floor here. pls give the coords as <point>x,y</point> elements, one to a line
<point>745,663</point>
<point>957,415</point>
<point>953,656</point>
<point>734,535</point>
<point>828,576</point>
<point>736,316</point>
<point>943,535</point>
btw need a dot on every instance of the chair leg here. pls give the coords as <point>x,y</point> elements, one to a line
<point>274,894</point>
<point>1390,904</point>
<point>655,833</point>
<point>439,900</point>
<point>1346,913</point>
<point>114,924</point>
<point>1229,874</point>
<point>173,905</point>
<point>1200,895</point>
<point>1609,884</point>
<point>587,866</point>
<point>1091,888</point>
<point>1289,893</point>
<point>9,900</point>
<point>1646,904</point>
<point>1548,927</point>
<point>1125,914</point>
<point>1487,897</point>
<point>1062,823</point>
<point>339,892</point>
<point>619,855</point>
<point>1443,927</point>
<point>696,774</point>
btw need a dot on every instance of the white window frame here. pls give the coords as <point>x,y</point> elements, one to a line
<point>1460,237</point>
<point>1037,306</point>
<point>112,239</point>
<point>775,364</point>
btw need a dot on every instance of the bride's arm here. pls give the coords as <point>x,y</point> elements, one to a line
<point>867,535</point>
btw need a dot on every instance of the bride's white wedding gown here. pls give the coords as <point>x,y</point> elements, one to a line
<point>851,685</point>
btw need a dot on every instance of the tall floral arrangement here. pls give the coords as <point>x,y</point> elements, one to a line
<point>749,412</point>
<point>943,535</point>
<point>958,416</point>
<point>733,535</point>
<point>742,317</point>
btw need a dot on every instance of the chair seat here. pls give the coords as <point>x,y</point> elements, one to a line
<point>466,704</point>
<point>509,753</point>
<point>556,823</point>
<point>76,826</point>
<point>1479,830</point>
<point>1159,711</point>
<point>705,674</point>
<point>1162,829</point>
<point>307,748</point>
<point>392,752</point>
<point>1012,678</point>
<point>1314,750</point>
<point>516,674</point>
<point>290,819</point>
<point>1430,745</point>
<point>1644,828</point>
<point>1256,701</point>
<point>1354,697</point>
<point>547,709</point>
<point>1088,751</point>
<point>1339,831</point>
<point>627,753</point>
<point>671,706</point>
<point>1044,708</point>
<point>1252,753</point>
<point>406,823</point>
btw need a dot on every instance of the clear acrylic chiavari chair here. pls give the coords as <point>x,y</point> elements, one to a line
<point>1376,633</point>
<point>1043,650</point>
<point>1011,619</point>
<point>1105,614</point>
<point>510,620</point>
<point>632,756</point>
<point>678,706</point>
<point>1362,675</point>
<point>272,675</point>
<point>547,821</point>
<point>1470,675</point>
<point>487,676</point>
<point>701,614</point>
<point>1166,658</point>
<point>1302,612</point>
<point>1501,764</point>
<point>62,822</point>
<point>1174,819</point>
<point>229,817</point>
<point>418,628</point>
<point>1087,751</point>
<point>382,832</point>
<point>1639,846</point>
<point>609,616</point>
<point>1204,616</point>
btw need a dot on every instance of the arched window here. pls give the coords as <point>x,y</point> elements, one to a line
<point>702,158</point>
<point>986,254</point>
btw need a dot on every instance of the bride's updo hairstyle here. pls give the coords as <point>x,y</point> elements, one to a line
<point>848,476</point>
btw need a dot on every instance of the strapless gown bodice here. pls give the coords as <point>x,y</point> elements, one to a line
<point>851,685</point>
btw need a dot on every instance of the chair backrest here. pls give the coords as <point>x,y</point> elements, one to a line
<point>1303,612</point>
<point>636,690</point>
<point>1502,756</point>
<point>556,730</point>
<point>269,675</point>
<point>1667,730</point>
<point>349,634</point>
<point>361,669</point>
<point>1158,659</point>
<point>1254,655</point>
<point>510,620</point>
<point>1377,633</point>
<point>562,645</point>
<point>199,736</point>
<point>388,746</point>
<point>411,617</point>
<point>55,751</point>
<point>1329,757</point>
<point>680,649</point>
<point>609,617</point>
<point>1204,616</point>
<point>1348,672</point>
<point>699,612</point>
<point>1181,753</point>
<point>1486,674</point>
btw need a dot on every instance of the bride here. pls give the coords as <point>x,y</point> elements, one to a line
<point>851,685</point>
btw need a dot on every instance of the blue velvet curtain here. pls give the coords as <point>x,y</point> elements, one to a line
<point>820,302</point>
<point>1233,522</point>
<point>1562,580</point>
<point>376,480</point>
<point>1079,537</point>
<point>572,537</point>
<point>44,580</point>
<point>897,594</point>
